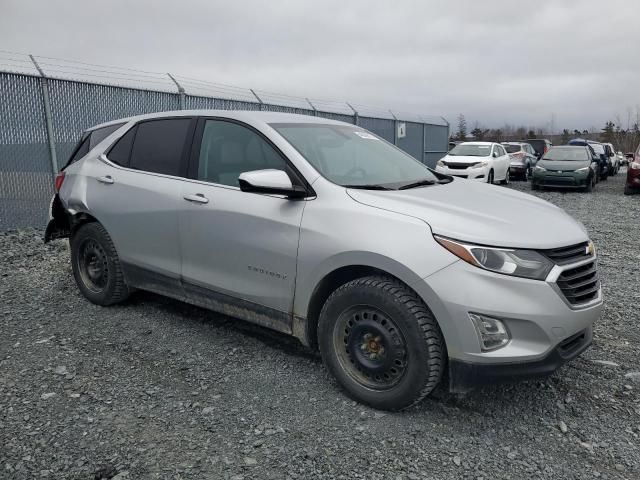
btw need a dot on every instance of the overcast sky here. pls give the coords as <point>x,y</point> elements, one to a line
<point>495,61</point>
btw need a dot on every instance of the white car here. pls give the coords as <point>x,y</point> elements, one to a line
<point>482,161</point>
<point>615,160</point>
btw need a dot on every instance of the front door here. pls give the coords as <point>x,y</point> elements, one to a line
<point>239,249</point>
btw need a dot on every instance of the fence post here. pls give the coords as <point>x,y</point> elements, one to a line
<point>47,116</point>
<point>424,140</point>
<point>355,114</point>
<point>315,111</point>
<point>257,98</point>
<point>181,92</point>
<point>395,128</point>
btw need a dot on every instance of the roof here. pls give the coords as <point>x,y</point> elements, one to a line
<point>477,143</point>
<point>244,115</point>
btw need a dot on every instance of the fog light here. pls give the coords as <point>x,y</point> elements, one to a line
<point>493,334</point>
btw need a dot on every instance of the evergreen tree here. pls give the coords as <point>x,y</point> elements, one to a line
<point>462,128</point>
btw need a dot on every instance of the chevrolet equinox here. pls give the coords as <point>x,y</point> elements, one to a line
<point>401,276</point>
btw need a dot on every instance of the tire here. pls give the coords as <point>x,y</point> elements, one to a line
<point>506,177</point>
<point>628,190</point>
<point>381,343</point>
<point>96,266</point>
<point>490,177</point>
<point>589,186</point>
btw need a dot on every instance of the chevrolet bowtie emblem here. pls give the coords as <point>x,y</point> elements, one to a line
<point>589,249</point>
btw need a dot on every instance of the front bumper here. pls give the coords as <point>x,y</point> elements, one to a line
<point>560,180</point>
<point>536,313</point>
<point>479,174</point>
<point>465,376</point>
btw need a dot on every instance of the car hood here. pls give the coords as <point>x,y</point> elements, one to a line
<point>480,213</point>
<point>463,159</point>
<point>565,166</point>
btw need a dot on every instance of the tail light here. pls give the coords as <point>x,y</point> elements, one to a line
<point>58,182</point>
<point>546,149</point>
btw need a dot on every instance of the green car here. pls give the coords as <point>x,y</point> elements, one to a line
<point>566,166</point>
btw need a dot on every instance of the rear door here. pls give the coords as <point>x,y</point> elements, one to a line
<point>239,249</point>
<point>135,194</point>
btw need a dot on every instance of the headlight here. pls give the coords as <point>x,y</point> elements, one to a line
<point>480,164</point>
<point>635,166</point>
<point>540,169</point>
<point>582,170</point>
<point>441,164</point>
<point>515,262</point>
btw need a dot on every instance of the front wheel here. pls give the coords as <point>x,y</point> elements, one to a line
<point>590,184</point>
<point>506,177</point>
<point>490,177</point>
<point>381,343</point>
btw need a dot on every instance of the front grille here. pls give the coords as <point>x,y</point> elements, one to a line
<point>459,166</point>
<point>570,254</point>
<point>556,180</point>
<point>580,284</point>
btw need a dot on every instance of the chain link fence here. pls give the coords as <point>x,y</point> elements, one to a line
<point>46,103</point>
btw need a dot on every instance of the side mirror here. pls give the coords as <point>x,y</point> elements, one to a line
<point>274,182</point>
<point>495,154</point>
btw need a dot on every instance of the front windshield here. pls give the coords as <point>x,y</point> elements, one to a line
<point>598,148</point>
<point>351,156</point>
<point>471,150</point>
<point>578,154</point>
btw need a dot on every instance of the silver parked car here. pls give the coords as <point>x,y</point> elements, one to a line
<point>322,230</point>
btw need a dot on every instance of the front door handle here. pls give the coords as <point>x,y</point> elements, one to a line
<point>106,179</point>
<point>196,198</point>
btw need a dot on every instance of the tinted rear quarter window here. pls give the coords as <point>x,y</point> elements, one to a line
<point>121,151</point>
<point>159,144</point>
<point>100,134</point>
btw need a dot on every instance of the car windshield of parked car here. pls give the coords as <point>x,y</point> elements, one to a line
<point>598,148</point>
<point>512,148</point>
<point>578,154</point>
<point>471,150</point>
<point>351,156</point>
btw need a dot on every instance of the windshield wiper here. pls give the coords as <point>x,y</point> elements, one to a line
<point>368,187</point>
<point>419,183</point>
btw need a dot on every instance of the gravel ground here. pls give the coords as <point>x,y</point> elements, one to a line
<point>155,388</point>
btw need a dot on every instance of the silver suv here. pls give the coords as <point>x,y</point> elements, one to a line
<point>399,275</point>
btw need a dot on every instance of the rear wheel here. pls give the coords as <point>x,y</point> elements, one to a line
<point>490,177</point>
<point>381,343</point>
<point>96,266</point>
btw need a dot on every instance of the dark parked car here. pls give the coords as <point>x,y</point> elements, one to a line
<point>567,167</point>
<point>633,175</point>
<point>599,148</point>
<point>540,145</point>
<point>523,158</point>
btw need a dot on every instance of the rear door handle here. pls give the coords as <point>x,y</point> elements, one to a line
<point>196,198</point>
<point>106,179</point>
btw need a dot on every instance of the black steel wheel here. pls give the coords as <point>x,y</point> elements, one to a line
<point>96,266</point>
<point>370,347</point>
<point>93,265</point>
<point>381,343</point>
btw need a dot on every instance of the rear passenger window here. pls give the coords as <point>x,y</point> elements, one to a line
<point>159,144</point>
<point>121,151</point>
<point>229,149</point>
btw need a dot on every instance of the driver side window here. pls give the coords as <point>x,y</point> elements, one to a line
<point>229,149</point>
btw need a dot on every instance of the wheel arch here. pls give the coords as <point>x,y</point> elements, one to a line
<point>307,315</point>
